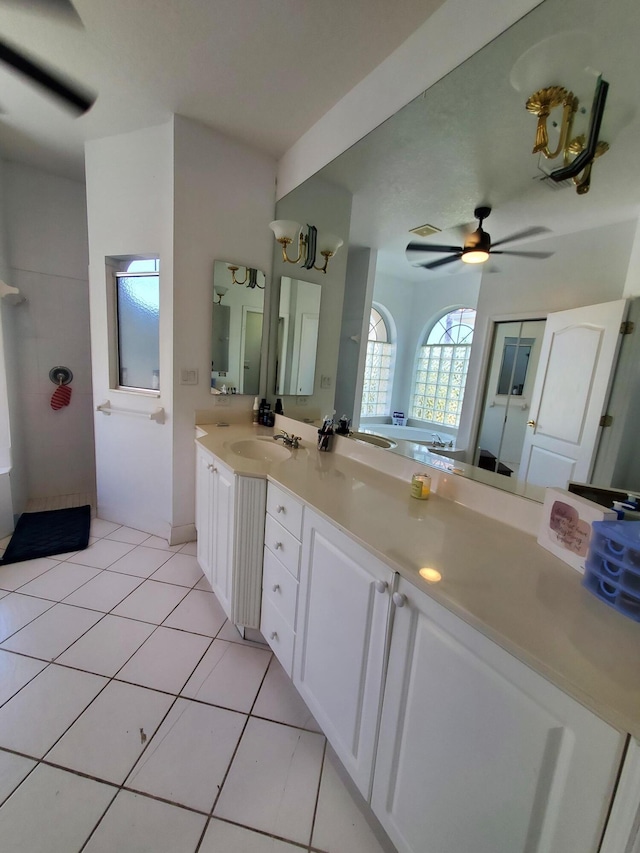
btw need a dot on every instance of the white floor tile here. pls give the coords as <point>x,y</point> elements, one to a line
<point>13,769</point>
<point>3,592</point>
<point>273,781</point>
<point>182,569</point>
<point>230,633</point>
<point>187,759</point>
<point>101,554</point>
<point>141,562</point>
<point>59,581</point>
<point>229,675</point>
<point>53,632</point>
<point>17,610</point>
<point>221,836</point>
<point>339,823</point>
<point>204,584</point>
<point>138,824</point>
<point>126,718</point>
<point>190,548</point>
<point>128,534</point>
<point>52,812</point>
<point>200,612</point>
<point>161,544</point>
<point>151,602</point>
<point>100,528</point>
<point>104,592</point>
<point>166,660</point>
<point>41,712</point>
<point>15,575</point>
<point>107,646</point>
<point>15,672</point>
<point>280,701</point>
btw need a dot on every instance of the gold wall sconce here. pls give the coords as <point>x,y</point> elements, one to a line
<point>250,277</point>
<point>562,114</point>
<point>287,231</point>
<point>219,292</point>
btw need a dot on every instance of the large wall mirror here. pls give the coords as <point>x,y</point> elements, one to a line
<point>236,328</point>
<point>465,143</point>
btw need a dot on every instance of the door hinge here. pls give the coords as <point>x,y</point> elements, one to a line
<point>627,327</point>
<point>606,420</point>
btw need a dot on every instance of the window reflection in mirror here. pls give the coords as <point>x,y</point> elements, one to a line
<point>298,319</point>
<point>236,328</point>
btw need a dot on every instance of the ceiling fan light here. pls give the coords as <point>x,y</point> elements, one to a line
<point>475,256</point>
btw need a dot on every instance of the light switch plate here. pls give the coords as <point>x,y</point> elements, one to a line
<point>189,376</point>
<point>325,382</point>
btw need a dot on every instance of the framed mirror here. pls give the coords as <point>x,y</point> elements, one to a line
<point>297,341</point>
<point>464,143</point>
<point>236,328</point>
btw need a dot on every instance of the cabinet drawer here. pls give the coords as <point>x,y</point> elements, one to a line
<point>286,509</point>
<point>283,545</point>
<point>280,588</point>
<point>278,634</point>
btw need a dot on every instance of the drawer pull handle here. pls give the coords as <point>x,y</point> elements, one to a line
<point>274,635</point>
<point>280,508</point>
<point>276,587</point>
<point>381,586</point>
<point>278,545</point>
<point>399,599</point>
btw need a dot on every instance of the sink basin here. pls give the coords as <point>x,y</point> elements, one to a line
<point>262,449</point>
<point>372,438</point>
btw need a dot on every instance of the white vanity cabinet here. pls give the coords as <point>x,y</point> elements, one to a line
<point>476,752</point>
<point>283,529</point>
<point>230,523</point>
<point>342,626</point>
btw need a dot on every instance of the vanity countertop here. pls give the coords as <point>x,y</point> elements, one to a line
<point>495,577</point>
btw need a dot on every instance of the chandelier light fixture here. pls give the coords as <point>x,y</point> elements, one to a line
<point>310,244</point>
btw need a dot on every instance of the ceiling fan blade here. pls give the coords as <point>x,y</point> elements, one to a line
<point>80,101</point>
<point>417,248</point>
<point>539,255</point>
<point>440,263</point>
<point>64,10</point>
<point>522,235</point>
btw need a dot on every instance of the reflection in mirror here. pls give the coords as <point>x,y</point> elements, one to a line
<point>236,328</point>
<point>298,320</point>
<point>432,163</point>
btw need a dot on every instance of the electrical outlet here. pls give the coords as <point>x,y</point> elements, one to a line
<point>302,401</point>
<point>325,382</point>
<point>189,376</point>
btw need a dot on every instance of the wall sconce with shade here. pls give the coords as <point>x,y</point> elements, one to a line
<point>309,245</point>
<point>250,277</point>
<point>220,292</point>
<point>558,74</point>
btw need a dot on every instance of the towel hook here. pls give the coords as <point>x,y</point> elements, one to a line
<point>60,375</point>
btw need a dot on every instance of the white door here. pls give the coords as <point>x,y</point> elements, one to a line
<point>579,352</point>
<point>308,348</point>
<point>479,754</point>
<point>341,631</point>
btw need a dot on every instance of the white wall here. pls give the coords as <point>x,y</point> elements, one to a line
<point>46,229</point>
<point>130,211</point>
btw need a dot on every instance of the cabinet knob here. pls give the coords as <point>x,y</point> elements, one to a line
<point>280,508</point>
<point>273,635</point>
<point>381,586</point>
<point>209,466</point>
<point>276,587</point>
<point>278,545</point>
<point>399,599</point>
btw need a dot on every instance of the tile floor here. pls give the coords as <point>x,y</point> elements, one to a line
<point>133,717</point>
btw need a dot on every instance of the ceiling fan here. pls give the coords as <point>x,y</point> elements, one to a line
<point>74,96</point>
<point>477,247</point>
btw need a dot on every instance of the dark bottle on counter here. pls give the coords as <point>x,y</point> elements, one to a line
<point>279,410</point>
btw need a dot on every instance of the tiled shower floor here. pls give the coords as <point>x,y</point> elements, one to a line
<point>133,717</point>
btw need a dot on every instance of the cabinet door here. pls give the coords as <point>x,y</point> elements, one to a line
<point>222,519</point>
<point>342,623</point>
<point>479,753</point>
<point>204,506</point>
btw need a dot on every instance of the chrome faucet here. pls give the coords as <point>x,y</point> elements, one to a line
<point>288,440</point>
<point>439,442</point>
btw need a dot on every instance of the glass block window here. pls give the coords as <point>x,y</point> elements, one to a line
<point>378,370</point>
<point>138,325</point>
<point>441,370</point>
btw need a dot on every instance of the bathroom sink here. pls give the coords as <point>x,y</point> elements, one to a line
<point>372,438</point>
<point>262,449</point>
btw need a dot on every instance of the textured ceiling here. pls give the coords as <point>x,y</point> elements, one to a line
<point>262,71</point>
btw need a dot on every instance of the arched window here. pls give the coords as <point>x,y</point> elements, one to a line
<point>376,391</point>
<point>441,369</point>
